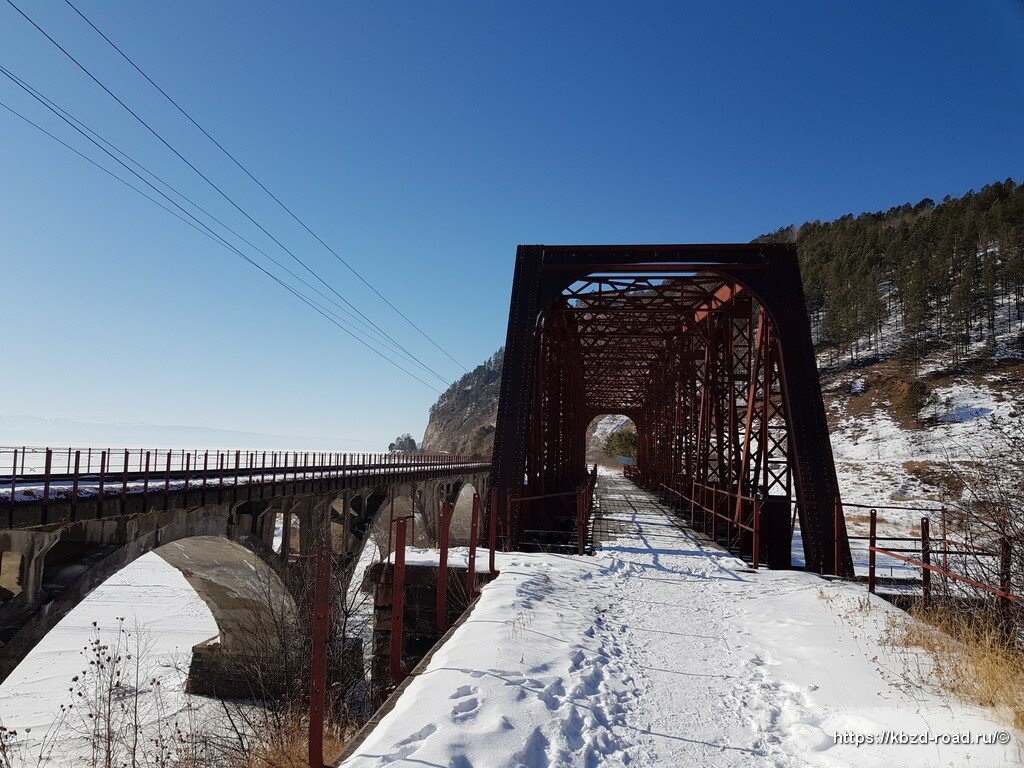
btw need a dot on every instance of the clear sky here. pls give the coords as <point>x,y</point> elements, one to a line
<point>423,141</point>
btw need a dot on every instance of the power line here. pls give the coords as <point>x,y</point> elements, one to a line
<point>274,197</point>
<point>79,126</point>
<point>67,116</point>
<point>191,220</point>
<point>209,181</point>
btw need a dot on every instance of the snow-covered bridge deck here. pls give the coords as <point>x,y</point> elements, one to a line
<point>664,651</point>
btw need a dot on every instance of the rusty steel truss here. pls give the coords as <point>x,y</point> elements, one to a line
<point>707,348</point>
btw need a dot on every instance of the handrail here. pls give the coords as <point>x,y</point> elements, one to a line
<point>927,548</point>
<point>946,572</point>
<point>134,472</point>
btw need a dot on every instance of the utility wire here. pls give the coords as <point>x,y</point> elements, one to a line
<point>191,220</point>
<point>274,197</point>
<point>205,178</point>
<point>68,116</point>
<point>79,126</point>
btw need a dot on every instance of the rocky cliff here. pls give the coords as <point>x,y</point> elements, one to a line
<point>462,419</point>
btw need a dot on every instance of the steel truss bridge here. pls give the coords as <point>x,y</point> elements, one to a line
<point>707,348</point>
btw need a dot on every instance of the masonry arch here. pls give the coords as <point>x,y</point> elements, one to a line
<point>240,579</point>
<point>462,514</point>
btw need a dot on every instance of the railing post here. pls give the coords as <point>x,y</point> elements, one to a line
<point>926,558</point>
<point>492,528</point>
<point>756,535</point>
<point>837,513</point>
<point>99,488</point>
<point>1005,565</point>
<point>206,467</point>
<point>124,483</point>
<point>580,521</point>
<point>471,565</point>
<point>320,626</point>
<point>397,601</point>
<point>442,567</point>
<point>188,468</point>
<point>872,540</point>
<point>508,522</point>
<point>145,476</point>
<point>74,487</point>
<point>167,482</point>
<point>46,485</point>
<point>14,488</point>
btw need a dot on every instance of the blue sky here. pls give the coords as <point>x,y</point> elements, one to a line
<point>423,141</point>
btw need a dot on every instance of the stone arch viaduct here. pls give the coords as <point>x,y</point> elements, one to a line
<point>239,528</point>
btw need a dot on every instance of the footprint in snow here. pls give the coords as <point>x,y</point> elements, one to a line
<point>466,709</point>
<point>535,753</point>
<point>409,744</point>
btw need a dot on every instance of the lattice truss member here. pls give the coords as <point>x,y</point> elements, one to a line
<point>707,349</point>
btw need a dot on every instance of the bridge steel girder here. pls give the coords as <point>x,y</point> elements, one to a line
<point>708,349</point>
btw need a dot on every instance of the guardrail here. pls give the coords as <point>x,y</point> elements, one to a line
<point>735,501</point>
<point>584,495</point>
<point>39,476</point>
<point>922,549</point>
<point>943,556</point>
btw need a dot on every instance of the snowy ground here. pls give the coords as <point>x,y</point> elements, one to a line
<point>662,651</point>
<point>149,594</point>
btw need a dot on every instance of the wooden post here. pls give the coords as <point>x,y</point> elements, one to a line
<point>872,537</point>
<point>926,558</point>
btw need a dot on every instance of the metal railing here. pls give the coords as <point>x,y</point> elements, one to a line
<point>919,552</point>
<point>40,476</point>
<point>584,496</point>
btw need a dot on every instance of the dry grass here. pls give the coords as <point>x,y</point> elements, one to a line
<point>290,749</point>
<point>970,654</point>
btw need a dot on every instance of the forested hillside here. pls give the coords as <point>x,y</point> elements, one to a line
<point>938,270</point>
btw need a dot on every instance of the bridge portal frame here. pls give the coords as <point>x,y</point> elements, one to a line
<point>771,274</point>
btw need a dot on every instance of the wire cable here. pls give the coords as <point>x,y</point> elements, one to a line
<point>260,184</point>
<point>205,178</point>
<point>194,223</point>
<point>68,116</point>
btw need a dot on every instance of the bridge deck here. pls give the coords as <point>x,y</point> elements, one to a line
<point>664,651</point>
